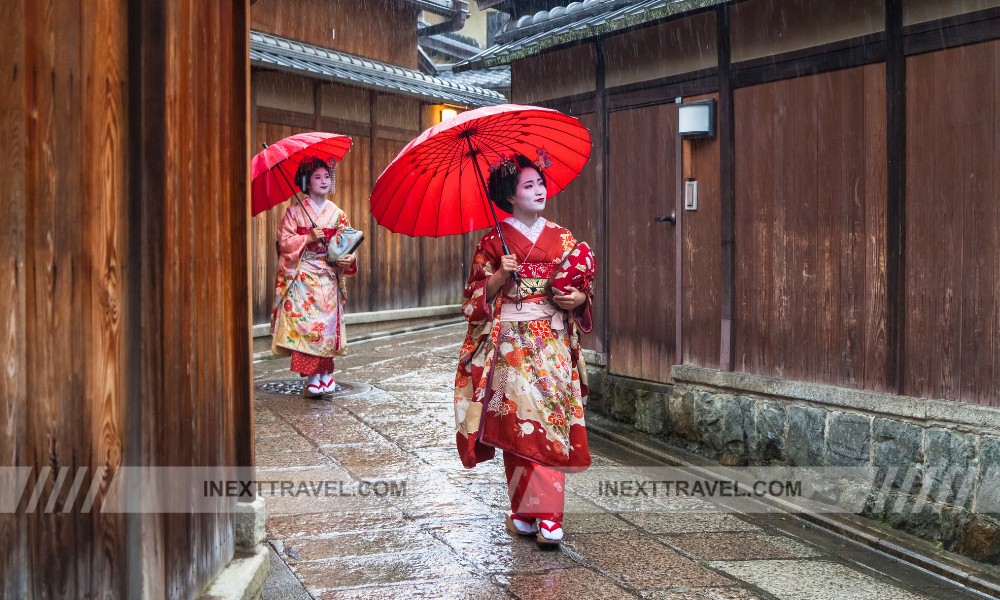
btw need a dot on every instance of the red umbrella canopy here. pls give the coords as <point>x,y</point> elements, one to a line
<point>272,171</point>
<point>432,188</point>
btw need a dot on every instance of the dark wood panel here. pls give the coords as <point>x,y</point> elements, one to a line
<point>875,279</point>
<point>952,343</point>
<point>701,256</point>
<point>641,252</point>
<point>13,260</point>
<point>398,268</point>
<point>808,274</point>
<point>361,31</point>
<point>190,376</point>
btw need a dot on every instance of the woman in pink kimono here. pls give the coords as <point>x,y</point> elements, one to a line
<point>307,319</point>
<point>521,381</point>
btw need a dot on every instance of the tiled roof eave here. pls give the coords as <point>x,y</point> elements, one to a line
<point>271,51</point>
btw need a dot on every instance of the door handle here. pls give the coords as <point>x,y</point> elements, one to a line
<point>672,219</point>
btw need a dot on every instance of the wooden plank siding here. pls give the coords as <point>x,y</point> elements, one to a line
<point>126,340</point>
<point>952,342</point>
<point>14,282</point>
<point>810,228</point>
<point>384,30</point>
<point>641,252</point>
<point>193,221</point>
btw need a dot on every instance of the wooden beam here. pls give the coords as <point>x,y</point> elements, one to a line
<point>663,90</point>
<point>842,54</point>
<point>727,142</point>
<point>373,233</point>
<point>601,188</point>
<point>895,82</point>
<point>960,30</point>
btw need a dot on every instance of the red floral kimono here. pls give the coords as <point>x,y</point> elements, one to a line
<point>521,381</point>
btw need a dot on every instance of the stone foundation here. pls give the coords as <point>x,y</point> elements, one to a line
<point>935,464</point>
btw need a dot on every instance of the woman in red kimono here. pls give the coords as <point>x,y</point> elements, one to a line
<point>307,319</point>
<point>521,381</point>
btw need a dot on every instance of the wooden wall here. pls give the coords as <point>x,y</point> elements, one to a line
<point>556,74</point>
<point>811,159</point>
<point>385,30</point>
<point>125,340</point>
<point>810,227</point>
<point>189,218</point>
<point>952,327</point>
<point>63,108</point>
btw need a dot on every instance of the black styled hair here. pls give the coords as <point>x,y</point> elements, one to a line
<point>502,184</point>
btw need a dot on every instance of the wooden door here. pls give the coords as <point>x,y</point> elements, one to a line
<point>642,183</point>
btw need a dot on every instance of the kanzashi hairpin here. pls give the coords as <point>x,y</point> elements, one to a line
<point>505,164</point>
<point>543,161</point>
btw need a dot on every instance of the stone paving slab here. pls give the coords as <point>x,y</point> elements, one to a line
<point>738,546</point>
<point>465,589</point>
<point>814,580</point>
<point>639,562</point>
<point>507,555</point>
<point>578,584</point>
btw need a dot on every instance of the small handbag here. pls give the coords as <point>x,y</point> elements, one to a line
<point>578,270</point>
<point>343,243</point>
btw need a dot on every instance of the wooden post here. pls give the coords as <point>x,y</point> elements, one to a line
<point>601,136</point>
<point>727,142</point>
<point>373,254</point>
<point>895,98</point>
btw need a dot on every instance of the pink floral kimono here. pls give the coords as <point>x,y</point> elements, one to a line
<point>521,382</point>
<point>307,319</point>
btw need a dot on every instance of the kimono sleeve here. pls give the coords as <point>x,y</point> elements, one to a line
<point>290,243</point>
<point>476,307</point>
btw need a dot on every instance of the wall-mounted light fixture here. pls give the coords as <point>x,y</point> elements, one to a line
<point>697,119</point>
<point>447,113</point>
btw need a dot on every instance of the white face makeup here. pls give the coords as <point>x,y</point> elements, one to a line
<point>530,195</point>
<point>320,182</point>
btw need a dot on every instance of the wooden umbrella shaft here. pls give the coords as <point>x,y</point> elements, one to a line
<point>486,195</point>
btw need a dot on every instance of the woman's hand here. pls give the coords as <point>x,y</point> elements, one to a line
<point>316,234</point>
<point>345,261</point>
<point>508,265</point>
<point>500,277</point>
<point>569,300</point>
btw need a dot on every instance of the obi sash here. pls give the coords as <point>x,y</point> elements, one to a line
<point>533,310</point>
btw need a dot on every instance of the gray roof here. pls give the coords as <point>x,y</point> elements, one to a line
<point>575,22</point>
<point>282,54</point>
<point>494,78</point>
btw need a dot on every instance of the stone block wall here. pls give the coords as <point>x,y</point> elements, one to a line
<point>934,465</point>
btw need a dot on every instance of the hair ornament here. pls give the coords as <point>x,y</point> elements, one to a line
<point>505,164</point>
<point>543,161</point>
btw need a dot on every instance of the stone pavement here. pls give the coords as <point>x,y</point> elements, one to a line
<point>443,536</point>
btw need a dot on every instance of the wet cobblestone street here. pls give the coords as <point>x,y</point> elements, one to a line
<point>443,536</point>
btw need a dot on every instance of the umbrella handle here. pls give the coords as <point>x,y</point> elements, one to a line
<point>298,199</point>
